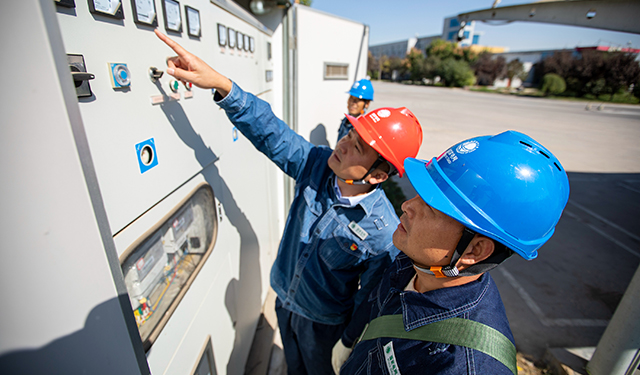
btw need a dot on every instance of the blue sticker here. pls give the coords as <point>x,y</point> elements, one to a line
<point>120,77</point>
<point>147,156</point>
<point>234,134</point>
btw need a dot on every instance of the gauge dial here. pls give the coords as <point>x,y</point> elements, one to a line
<point>144,11</point>
<point>193,21</point>
<point>112,8</point>
<point>172,17</point>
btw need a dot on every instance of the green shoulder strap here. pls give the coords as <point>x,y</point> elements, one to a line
<point>453,331</point>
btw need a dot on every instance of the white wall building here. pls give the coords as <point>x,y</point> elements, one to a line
<point>450,30</point>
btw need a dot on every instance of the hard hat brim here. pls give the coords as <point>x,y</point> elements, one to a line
<point>432,194</point>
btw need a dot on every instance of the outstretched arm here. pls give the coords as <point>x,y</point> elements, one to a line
<point>188,67</point>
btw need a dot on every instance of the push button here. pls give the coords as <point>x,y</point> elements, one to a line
<point>174,85</point>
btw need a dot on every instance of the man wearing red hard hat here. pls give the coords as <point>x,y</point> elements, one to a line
<point>337,241</point>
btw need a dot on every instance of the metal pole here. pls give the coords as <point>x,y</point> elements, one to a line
<point>617,351</point>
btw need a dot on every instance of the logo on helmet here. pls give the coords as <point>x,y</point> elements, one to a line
<point>467,147</point>
<point>384,113</point>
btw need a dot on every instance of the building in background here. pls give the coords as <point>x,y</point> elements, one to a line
<point>451,28</point>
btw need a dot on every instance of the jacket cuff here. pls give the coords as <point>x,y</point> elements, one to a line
<point>233,102</point>
<point>347,342</point>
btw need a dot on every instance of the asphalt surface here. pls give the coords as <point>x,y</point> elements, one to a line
<point>565,297</point>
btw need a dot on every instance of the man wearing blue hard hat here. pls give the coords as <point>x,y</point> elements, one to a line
<point>436,309</point>
<point>360,95</point>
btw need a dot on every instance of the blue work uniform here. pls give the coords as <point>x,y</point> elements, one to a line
<point>331,255</point>
<point>478,300</point>
<point>345,127</point>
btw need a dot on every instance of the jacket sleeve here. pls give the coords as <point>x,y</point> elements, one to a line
<point>270,135</point>
<point>373,270</point>
<point>359,319</point>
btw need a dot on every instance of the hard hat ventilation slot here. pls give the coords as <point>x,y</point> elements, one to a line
<point>545,155</point>
<point>526,144</point>
<point>557,166</point>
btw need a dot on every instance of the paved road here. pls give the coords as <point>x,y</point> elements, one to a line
<point>566,296</point>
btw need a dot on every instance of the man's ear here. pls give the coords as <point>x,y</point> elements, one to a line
<point>366,104</point>
<point>378,176</point>
<point>480,248</point>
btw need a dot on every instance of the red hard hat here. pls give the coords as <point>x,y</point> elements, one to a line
<point>394,133</point>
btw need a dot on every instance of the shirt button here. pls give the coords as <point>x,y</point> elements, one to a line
<point>305,255</point>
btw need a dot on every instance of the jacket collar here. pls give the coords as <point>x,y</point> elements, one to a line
<point>419,309</point>
<point>367,203</point>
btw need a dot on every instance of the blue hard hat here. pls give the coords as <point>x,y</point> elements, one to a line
<point>507,187</point>
<point>362,89</point>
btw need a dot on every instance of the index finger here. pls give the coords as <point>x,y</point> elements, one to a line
<point>174,46</point>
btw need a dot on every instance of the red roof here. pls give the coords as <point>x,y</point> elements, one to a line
<point>609,49</point>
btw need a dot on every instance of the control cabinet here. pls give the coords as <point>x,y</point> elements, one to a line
<point>192,206</point>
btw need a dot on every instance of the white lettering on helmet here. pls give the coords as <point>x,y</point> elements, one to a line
<point>384,113</point>
<point>374,117</point>
<point>450,156</point>
<point>467,147</point>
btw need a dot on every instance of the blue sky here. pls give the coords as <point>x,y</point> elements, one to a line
<point>395,20</point>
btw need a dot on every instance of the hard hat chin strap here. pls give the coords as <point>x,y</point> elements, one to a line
<point>451,270</point>
<point>362,181</point>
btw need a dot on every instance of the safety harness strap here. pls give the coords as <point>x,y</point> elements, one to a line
<point>453,331</point>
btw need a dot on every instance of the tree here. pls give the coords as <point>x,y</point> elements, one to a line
<point>487,68</point>
<point>450,62</point>
<point>593,72</point>
<point>514,69</point>
<point>415,64</point>
<point>443,50</point>
<point>560,63</point>
<point>622,71</point>
<point>373,66</point>
<point>306,2</point>
<point>586,74</point>
<point>391,64</point>
<point>553,84</point>
<point>455,73</point>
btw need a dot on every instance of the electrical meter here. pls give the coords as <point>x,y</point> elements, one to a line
<point>239,40</point>
<point>111,8</point>
<point>232,37</point>
<point>172,18</point>
<point>144,12</point>
<point>193,21</point>
<point>222,35</point>
<point>159,269</point>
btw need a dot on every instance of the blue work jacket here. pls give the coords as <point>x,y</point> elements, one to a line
<point>479,301</point>
<point>323,268</point>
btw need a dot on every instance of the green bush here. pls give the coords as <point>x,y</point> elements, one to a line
<point>620,97</point>
<point>553,84</point>
<point>456,73</point>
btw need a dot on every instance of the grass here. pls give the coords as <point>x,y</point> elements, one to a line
<point>623,98</point>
